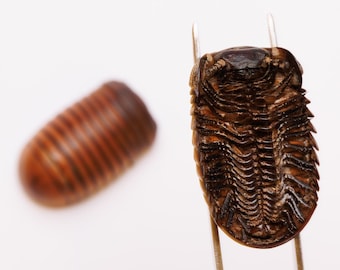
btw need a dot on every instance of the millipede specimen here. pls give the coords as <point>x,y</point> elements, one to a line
<point>254,149</point>
<point>86,146</point>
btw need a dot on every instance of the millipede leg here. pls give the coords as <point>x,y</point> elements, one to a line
<point>298,252</point>
<point>216,244</point>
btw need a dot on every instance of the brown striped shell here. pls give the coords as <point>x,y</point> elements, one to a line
<point>86,146</point>
<point>254,149</point>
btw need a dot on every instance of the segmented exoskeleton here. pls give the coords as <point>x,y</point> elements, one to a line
<point>87,146</point>
<point>254,149</point>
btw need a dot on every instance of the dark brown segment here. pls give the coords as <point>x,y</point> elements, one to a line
<point>253,142</point>
<point>87,146</point>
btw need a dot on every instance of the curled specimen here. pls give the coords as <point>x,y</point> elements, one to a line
<point>87,146</point>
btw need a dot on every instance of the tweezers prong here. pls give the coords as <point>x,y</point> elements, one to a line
<point>195,43</point>
<point>214,228</point>
<point>271,31</point>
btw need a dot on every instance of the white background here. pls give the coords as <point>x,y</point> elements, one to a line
<point>52,53</point>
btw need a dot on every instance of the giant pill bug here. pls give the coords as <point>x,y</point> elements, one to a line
<point>254,148</point>
<point>86,146</point>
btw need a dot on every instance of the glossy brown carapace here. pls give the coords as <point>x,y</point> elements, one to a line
<point>87,146</point>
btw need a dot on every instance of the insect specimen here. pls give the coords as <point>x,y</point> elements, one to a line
<point>254,149</point>
<point>86,146</point>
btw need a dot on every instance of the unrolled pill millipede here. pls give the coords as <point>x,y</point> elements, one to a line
<point>254,148</point>
<point>255,152</point>
<point>87,146</point>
